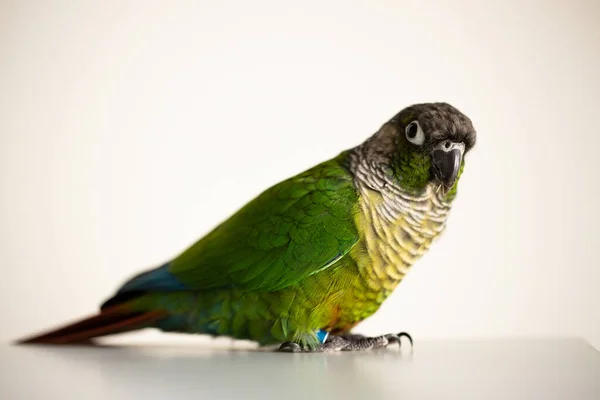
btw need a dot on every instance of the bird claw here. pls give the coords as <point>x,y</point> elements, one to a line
<point>348,342</point>
<point>397,338</point>
<point>290,347</point>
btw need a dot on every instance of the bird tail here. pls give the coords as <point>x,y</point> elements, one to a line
<point>109,321</point>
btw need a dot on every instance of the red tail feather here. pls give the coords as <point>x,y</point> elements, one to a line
<point>108,322</point>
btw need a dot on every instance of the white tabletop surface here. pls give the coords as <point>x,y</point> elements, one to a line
<point>481,369</point>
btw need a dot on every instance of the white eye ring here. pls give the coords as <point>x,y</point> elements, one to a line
<point>414,133</point>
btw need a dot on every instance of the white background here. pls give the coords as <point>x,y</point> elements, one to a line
<point>130,129</point>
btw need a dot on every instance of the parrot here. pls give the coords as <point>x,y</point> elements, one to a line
<point>308,259</point>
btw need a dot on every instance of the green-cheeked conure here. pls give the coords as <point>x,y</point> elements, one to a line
<point>312,256</point>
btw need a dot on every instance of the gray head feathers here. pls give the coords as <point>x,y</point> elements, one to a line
<point>439,121</point>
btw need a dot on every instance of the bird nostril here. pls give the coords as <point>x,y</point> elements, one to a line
<point>447,144</point>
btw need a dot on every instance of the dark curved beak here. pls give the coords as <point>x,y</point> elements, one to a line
<point>446,164</point>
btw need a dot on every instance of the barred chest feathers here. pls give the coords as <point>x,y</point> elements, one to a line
<point>397,228</point>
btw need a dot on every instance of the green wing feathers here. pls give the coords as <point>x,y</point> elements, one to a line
<point>292,230</point>
<point>295,229</point>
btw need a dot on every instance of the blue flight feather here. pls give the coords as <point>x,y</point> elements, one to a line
<point>159,279</point>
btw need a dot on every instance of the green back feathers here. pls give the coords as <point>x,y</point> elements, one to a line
<point>292,230</point>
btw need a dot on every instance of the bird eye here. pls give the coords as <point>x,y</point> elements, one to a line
<point>414,133</point>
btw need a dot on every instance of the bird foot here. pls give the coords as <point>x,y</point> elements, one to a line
<point>290,347</point>
<point>349,342</point>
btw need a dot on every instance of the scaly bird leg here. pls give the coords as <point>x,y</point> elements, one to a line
<point>348,342</point>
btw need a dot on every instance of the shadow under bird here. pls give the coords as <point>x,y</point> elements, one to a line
<point>312,256</point>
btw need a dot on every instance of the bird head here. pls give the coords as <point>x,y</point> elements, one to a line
<point>423,144</point>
